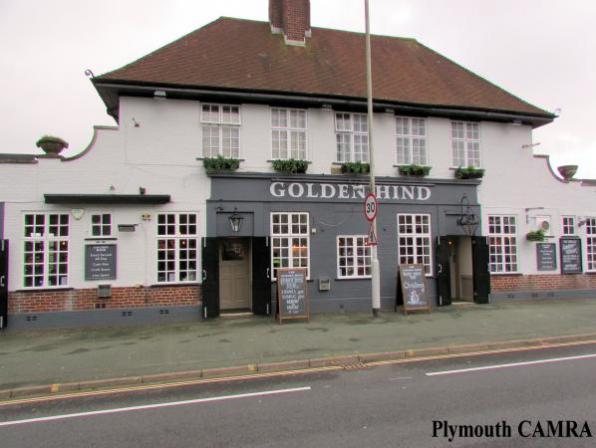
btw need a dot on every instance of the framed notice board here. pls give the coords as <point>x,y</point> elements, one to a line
<point>292,294</point>
<point>571,255</point>
<point>412,286</point>
<point>100,262</point>
<point>546,256</point>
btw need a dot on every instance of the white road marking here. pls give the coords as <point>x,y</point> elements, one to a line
<point>397,378</point>
<point>513,364</point>
<point>155,406</point>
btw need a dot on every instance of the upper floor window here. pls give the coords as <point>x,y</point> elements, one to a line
<point>411,141</point>
<point>177,247</point>
<point>502,231</point>
<point>568,225</point>
<point>101,224</point>
<point>288,133</point>
<point>465,142</point>
<point>351,132</point>
<point>221,130</point>
<point>45,250</point>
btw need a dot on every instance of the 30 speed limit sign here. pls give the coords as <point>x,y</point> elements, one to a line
<point>370,207</point>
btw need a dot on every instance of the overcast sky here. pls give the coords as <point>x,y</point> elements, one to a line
<point>540,50</point>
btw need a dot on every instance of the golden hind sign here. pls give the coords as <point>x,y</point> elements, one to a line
<point>311,190</point>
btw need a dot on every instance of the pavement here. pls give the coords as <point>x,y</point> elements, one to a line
<point>37,363</point>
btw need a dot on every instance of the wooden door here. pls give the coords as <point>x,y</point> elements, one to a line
<point>234,274</point>
<point>3,283</point>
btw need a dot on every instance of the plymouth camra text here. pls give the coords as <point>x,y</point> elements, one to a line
<point>299,190</point>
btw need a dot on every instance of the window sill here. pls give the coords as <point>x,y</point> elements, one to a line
<point>46,288</point>
<point>173,284</point>
<point>273,160</point>
<point>203,158</point>
<point>505,274</point>
<point>341,279</point>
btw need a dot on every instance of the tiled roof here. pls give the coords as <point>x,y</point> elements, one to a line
<point>242,54</point>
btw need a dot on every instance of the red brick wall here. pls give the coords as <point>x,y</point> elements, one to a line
<point>86,299</point>
<point>541,282</point>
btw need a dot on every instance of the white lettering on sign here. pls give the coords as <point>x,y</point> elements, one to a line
<point>298,190</point>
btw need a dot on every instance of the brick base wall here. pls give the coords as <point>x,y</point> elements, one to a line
<point>86,299</point>
<point>555,282</point>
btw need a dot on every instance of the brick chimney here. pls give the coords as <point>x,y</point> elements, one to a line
<point>292,18</point>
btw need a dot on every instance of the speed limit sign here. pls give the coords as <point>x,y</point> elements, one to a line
<point>370,207</point>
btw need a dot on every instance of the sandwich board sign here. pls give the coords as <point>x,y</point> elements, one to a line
<point>292,294</point>
<point>412,285</point>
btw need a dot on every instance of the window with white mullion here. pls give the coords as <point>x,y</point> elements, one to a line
<point>45,250</point>
<point>221,130</point>
<point>288,134</point>
<point>411,141</point>
<point>568,225</point>
<point>177,247</point>
<point>591,244</point>
<point>465,143</point>
<point>101,224</point>
<point>502,231</point>
<point>414,240</point>
<point>290,241</point>
<point>351,133</point>
<point>353,257</point>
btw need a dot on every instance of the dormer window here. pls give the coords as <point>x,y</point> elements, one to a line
<point>221,130</point>
<point>351,133</point>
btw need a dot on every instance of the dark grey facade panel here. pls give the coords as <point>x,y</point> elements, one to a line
<point>1,220</point>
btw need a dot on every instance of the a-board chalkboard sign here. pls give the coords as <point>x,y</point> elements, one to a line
<point>100,262</point>
<point>412,284</point>
<point>546,256</point>
<point>292,294</point>
<point>571,255</point>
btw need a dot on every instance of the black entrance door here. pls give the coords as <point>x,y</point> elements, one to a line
<point>442,255</point>
<point>210,289</point>
<point>480,255</point>
<point>261,276</point>
<point>3,284</point>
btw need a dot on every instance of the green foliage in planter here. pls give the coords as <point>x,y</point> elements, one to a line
<point>536,235</point>
<point>355,168</point>
<point>469,173</point>
<point>51,139</point>
<point>291,166</point>
<point>414,170</point>
<point>220,163</point>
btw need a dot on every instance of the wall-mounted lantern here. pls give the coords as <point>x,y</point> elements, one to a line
<point>235,221</point>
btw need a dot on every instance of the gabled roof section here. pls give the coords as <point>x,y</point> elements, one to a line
<point>244,55</point>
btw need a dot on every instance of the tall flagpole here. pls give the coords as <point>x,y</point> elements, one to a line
<point>376,280</point>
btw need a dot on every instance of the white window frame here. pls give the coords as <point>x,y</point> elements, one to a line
<point>291,234</point>
<point>567,224</point>
<point>291,133</point>
<point>405,153</point>
<point>181,241</point>
<point>352,135</point>
<point>428,266</point>
<point>357,242</point>
<point>101,226</point>
<point>46,239</point>
<point>469,137</point>
<point>590,244</point>
<point>224,123</point>
<point>505,242</point>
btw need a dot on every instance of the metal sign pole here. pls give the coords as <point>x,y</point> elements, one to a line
<point>376,280</point>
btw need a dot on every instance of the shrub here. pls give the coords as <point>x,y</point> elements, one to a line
<point>291,166</point>
<point>469,173</point>
<point>355,168</point>
<point>414,170</point>
<point>536,235</point>
<point>220,163</point>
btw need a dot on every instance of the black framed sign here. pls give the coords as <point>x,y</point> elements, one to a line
<point>292,294</point>
<point>412,282</point>
<point>100,262</point>
<point>546,256</point>
<point>571,255</point>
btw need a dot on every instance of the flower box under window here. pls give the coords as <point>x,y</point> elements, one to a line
<point>290,166</point>
<point>414,170</point>
<point>469,172</point>
<point>220,164</point>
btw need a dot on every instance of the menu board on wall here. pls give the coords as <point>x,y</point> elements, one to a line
<point>571,255</point>
<point>100,262</point>
<point>412,282</point>
<point>546,256</point>
<point>292,294</point>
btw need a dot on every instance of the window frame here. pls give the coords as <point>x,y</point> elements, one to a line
<point>177,237</point>
<point>590,251</point>
<point>351,133</point>
<point>466,140</point>
<point>290,235</point>
<point>101,225</point>
<point>46,239</point>
<point>565,226</point>
<point>221,124</point>
<point>354,245</point>
<point>427,272</point>
<point>410,137</point>
<point>503,235</point>
<point>289,130</point>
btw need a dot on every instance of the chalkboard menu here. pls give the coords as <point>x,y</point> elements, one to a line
<point>100,262</point>
<point>292,295</point>
<point>413,289</point>
<point>546,256</point>
<point>571,255</point>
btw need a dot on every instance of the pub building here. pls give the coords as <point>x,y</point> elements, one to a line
<point>242,148</point>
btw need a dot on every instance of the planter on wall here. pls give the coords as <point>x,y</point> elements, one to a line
<point>355,168</point>
<point>51,145</point>
<point>291,166</point>
<point>567,171</point>
<point>220,164</point>
<point>537,236</point>
<point>469,173</point>
<point>413,170</point>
